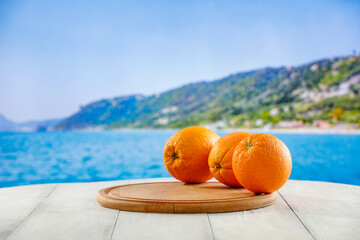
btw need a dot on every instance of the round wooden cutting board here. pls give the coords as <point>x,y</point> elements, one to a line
<point>178,197</point>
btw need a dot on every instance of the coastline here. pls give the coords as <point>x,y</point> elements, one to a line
<point>333,131</point>
<point>300,130</point>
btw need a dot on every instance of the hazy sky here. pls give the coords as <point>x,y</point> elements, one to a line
<point>58,55</point>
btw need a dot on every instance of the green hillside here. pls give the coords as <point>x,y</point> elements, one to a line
<point>322,90</point>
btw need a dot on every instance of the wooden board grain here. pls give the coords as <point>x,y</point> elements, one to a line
<point>177,197</point>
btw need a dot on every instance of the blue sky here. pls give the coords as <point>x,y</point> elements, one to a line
<point>58,55</point>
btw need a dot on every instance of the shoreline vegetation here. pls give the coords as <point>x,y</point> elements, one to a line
<point>308,130</point>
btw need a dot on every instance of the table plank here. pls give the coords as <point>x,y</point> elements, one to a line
<point>133,225</point>
<point>70,212</point>
<point>17,203</point>
<point>328,210</point>
<point>277,221</point>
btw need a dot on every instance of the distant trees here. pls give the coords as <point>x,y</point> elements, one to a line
<point>266,117</point>
<point>336,114</point>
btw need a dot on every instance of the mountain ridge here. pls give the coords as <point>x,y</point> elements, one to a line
<point>236,99</point>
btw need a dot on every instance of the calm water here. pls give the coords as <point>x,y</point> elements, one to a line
<point>52,157</point>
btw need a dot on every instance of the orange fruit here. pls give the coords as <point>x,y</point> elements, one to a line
<point>220,158</point>
<point>186,154</point>
<point>262,163</point>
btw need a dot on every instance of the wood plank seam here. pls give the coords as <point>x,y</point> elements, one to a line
<point>307,229</point>
<point>211,229</point>
<point>112,231</point>
<point>29,215</point>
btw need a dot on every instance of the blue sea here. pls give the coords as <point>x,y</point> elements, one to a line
<point>57,157</point>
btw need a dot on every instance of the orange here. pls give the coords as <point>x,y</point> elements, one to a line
<point>186,154</point>
<point>220,158</point>
<point>262,163</point>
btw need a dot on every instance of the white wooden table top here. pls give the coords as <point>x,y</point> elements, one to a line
<point>303,210</point>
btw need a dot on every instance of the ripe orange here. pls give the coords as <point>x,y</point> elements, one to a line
<point>262,163</point>
<point>186,154</point>
<point>220,158</point>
